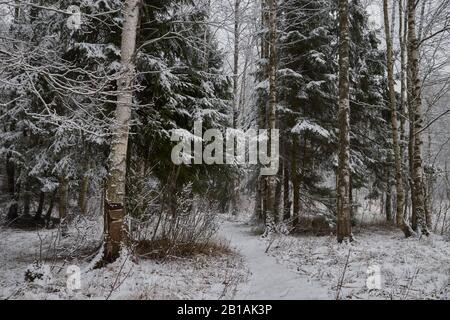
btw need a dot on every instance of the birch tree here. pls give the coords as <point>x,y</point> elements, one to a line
<point>416,126</point>
<point>261,191</point>
<point>344,231</point>
<point>236,61</point>
<point>236,99</point>
<point>271,180</point>
<point>403,100</point>
<point>393,106</point>
<point>114,209</point>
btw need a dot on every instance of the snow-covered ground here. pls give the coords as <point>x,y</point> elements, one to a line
<point>407,268</point>
<point>202,277</point>
<point>268,278</point>
<point>277,267</point>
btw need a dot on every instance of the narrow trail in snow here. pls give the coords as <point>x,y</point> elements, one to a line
<point>268,279</point>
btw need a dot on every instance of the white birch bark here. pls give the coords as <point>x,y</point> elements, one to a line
<point>271,180</point>
<point>416,109</point>
<point>393,106</point>
<point>114,210</point>
<point>344,231</point>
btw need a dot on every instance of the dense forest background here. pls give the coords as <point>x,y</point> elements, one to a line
<point>92,91</point>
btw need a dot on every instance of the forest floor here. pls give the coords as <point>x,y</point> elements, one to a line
<point>406,268</point>
<point>199,277</point>
<point>276,267</point>
<point>268,278</point>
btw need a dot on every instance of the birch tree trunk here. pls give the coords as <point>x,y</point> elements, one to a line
<point>393,106</point>
<point>235,182</point>
<point>344,231</point>
<point>243,92</point>
<point>422,18</point>
<point>271,180</point>
<point>427,195</point>
<point>403,102</point>
<point>114,207</point>
<point>411,126</point>
<point>236,63</point>
<point>260,201</point>
<point>393,12</point>
<point>411,118</point>
<point>416,106</point>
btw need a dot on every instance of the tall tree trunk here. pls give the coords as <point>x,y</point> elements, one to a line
<point>350,197</point>
<point>260,207</point>
<point>411,118</point>
<point>393,13</point>
<point>114,207</point>
<point>62,197</point>
<point>236,62</point>
<point>344,229</point>
<point>243,91</point>
<point>235,182</point>
<point>278,189</point>
<point>206,43</point>
<point>10,177</point>
<point>272,180</point>
<point>82,199</point>
<point>422,18</point>
<point>399,186</point>
<point>286,186</point>
<point>258,201</point>
<point>84,187</point>
<point>429,189</point>
<point>26,197</point>
<point>63,193</point>
<point>40,209</point>
<point>416,103</point>
<point>51,205</point>
<point>11,189</point>
<point>447,187</point>
<point>295,182</point>
<point>403,101</point>
<point>411,124</point>
<point>388,204</point>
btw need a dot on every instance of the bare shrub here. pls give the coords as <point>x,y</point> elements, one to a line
<point>164,248</point>
<point>186,232</point>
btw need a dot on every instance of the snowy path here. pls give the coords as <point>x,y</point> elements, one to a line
<point>268,279</point>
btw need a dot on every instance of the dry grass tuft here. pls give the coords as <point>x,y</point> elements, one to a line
<point>165,248</point>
